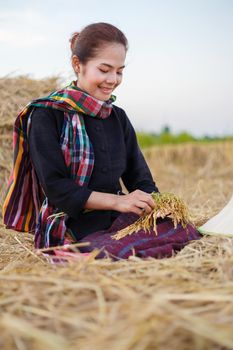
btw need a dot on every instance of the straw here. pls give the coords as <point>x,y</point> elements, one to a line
<point>184,302</point>
<point>166,204</point>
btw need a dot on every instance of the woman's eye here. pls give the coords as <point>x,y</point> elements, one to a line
<point>103,71</point>
<point>119,73</point>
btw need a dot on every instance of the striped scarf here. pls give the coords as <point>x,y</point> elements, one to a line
<point>25,207</point>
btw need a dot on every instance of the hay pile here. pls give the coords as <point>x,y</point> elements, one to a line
<point>15,93</point>
<point>183,302</point>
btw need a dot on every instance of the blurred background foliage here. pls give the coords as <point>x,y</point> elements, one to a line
<point>166,136</point>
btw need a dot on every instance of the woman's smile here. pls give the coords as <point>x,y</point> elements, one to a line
<point>106,90</point>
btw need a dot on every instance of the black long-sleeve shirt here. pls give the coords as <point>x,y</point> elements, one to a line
<point>117,155</point>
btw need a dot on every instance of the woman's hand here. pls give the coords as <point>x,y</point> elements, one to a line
<point>137,202</point>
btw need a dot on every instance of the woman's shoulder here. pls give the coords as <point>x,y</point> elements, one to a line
<point>121,114</point>
<point>47,118</point>
<point>123,117</point>
<point>118,110</point>
<point>48,114</point>
<point>43,112</point>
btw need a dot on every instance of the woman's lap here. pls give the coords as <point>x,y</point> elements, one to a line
<point>142,244</point>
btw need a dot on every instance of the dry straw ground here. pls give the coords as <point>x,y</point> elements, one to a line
<point>184,302</point>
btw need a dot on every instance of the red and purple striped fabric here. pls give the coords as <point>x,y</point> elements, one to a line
<point>169,239</point>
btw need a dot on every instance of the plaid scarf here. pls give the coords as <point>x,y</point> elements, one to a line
<point>25,207</point>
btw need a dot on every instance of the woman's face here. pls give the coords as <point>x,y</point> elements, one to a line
<point>103,73</point>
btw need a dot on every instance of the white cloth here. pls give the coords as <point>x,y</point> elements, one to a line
<point>220,224</point>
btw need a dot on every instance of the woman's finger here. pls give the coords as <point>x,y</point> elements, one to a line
<point>145,208</point>
<point>138,211</point>
<point>146,197</point>
<point>151,202</point>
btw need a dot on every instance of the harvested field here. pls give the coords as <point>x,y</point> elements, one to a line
<point>184,302</point>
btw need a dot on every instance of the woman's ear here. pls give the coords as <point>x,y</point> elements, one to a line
<point>75,64</point>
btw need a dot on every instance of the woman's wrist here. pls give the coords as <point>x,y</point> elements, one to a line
<point>102,201</point>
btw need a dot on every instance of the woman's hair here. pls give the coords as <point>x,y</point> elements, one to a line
<point>85,45</point>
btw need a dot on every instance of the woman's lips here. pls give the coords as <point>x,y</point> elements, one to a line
<point>106,90</point>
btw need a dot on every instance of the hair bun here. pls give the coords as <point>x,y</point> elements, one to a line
<point>73,40</point>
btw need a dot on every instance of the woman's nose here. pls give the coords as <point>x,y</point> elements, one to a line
<point>112,78</point>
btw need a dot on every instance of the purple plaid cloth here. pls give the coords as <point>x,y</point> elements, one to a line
<point>142,244</point>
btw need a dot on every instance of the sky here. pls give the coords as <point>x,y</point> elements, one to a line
<point>179,67</point>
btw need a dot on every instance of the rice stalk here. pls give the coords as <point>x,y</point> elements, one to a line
<point>166,204</point>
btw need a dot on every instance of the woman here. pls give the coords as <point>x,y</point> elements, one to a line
<point>72,148</point>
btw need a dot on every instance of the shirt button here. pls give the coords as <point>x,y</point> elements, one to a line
<point>104,169</point>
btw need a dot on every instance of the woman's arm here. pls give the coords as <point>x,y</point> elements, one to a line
<point>137,202</point>
<point>48,160</point>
